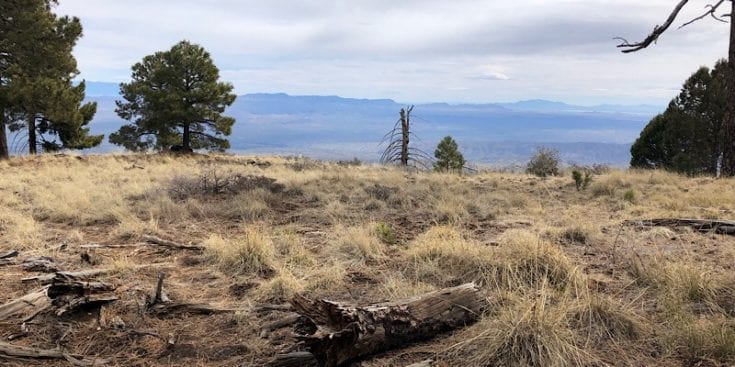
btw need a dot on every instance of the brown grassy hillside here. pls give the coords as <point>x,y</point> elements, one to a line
<point>567,284</point>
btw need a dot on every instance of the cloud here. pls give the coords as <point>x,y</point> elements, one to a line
<point>412,50</point>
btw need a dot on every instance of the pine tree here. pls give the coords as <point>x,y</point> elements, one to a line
<point>175,97</point>
<point>37,67</point>
<point>689,136</point>
<point>448,157</point>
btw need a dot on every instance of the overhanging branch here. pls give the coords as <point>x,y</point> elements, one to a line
<point>657,32</point>
<point>710,12</point>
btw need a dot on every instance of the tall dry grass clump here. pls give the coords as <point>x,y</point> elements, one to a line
<point>441,255</point>
<point>526,260</point>
<point>534,332</point>
<point>359,244</point>
<point>249,253</point>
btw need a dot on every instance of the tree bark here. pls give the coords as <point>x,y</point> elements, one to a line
<point>187,137</point>
<point>32,133</point>
<point>728,153</point>
<point>699,225</point>
<point>4,152</point>
<point>336,334</point>
<point>404,136</point>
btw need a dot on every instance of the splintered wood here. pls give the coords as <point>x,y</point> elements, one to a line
<point>335,333</point>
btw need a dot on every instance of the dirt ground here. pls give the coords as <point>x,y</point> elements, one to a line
<point>566,282</point>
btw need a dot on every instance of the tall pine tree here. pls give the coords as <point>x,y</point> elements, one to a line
<point>689,136</point>
<point>37,68</point>
<point>175,98</point>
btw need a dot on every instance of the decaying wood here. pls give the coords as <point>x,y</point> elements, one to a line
<point>281,323</point>
<point>41,264</point>
<point>86,274</point>
<point>37,353</point>
<point>94,246</point>
<point>297,359</point>
<point>337,333</point>
<point>78,276</point>
<point>70,294</point>
<point>700,225</point>
<point>159,304</point>
<point>171,244</point>
<point>268,308</point>
<point>9,255</point>
<point>34,301</point>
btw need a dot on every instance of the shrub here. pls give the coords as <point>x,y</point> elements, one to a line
<point>629,196</point>
<point>582,180</point>
<point>214,182</point>
<point>386,233</point>
<point>545,162</point>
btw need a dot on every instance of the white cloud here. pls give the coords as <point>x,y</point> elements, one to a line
<point>413,50</point>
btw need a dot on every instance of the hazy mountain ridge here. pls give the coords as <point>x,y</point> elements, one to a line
<point>333,127</point>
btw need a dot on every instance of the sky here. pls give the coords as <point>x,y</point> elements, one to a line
<point>413,51</point>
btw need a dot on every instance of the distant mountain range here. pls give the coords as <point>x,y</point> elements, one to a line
<point>500,134</point>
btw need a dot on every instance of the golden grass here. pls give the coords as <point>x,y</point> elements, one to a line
<point>532,333</point>
<point>249,253</point>
<point>566,283</point>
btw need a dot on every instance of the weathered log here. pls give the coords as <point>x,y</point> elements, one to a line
<point>269,307</point>
<point>84,275</point>
<point>171,244</point>
<point>9,255</point>
<point>74,303</point>
<point>159,304</point>
<point>37,353</point>
<point>337,334</point>
<point>34,301</point>
<point>75,276</point>
<point>68,294</point>
<point>41,264</point>
<point>701,225</point>
<point>281,323</point>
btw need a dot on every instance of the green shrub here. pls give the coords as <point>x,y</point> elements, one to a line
<point>385,233</point>
<point>630,196</point>
<point>545,162</point>
<point>582,181</point>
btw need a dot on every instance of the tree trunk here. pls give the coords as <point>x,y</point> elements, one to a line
<point>404,136</point>
<point>336,334</point>
<point>187,138</point>
<point>32,133</point>
<point>4,153</point>
<point>728,153</point>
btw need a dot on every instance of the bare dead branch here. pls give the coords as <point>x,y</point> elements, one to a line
<point>657,32</point>
<point>710,12</point>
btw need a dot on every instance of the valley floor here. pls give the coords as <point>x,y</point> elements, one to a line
<point>567,282</point>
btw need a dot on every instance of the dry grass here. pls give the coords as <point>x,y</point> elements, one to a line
<point>249,253</point>
<point>568,285</point>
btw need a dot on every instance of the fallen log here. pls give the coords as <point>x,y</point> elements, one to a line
<point>37,353</point>
<point>75,276</point>
<point>160,305</point>
<point>34,301</point>
<point>171,244</point>
<point>68,294</point>
<point>40,264</point>
<point>700,225</point>
<point>9,255</point>
<point>336,334</point>
<point>84,275</point>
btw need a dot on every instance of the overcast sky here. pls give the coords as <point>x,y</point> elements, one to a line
<point>411,50</point>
